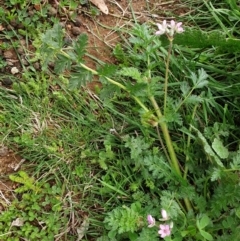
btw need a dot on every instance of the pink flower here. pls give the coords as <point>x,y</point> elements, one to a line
<point>164,215</point>
<point>175,27</point>
<point>162,28</point>
<point>151,221</point>
<point>169,29</point>
<point>164,231</point>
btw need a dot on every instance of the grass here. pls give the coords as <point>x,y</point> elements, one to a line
<point>97,165</point>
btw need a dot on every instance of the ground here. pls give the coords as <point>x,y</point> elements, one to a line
<point>103,34</point>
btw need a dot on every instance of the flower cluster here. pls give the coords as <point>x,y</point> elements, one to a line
<point>164,229</point>
<point>169,29</point>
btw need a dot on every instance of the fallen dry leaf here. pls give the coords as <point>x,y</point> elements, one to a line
<point>83,228</point>
<point>1,28</point>
<point>18,222</point>
<point>101,5</point>
<point>37,7</point>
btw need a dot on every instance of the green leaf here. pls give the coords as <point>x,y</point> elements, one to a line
<point>207,147</point>
<point>62,63</point>
<point>235,164</point>
<point>218,147</point>
<point>191,230</point>
<point>112,234</point>
<point>216,174</point>
<point>107,70</point>
<point>201,80</point>
<point>206,235</point>
<point>202,76</point>
<point>131,72</point>
<point>52,43</point>
<point>238,212</point>
<point>53,38</point>
<point>132,236</point>
<point>120,54</point>
<point>204,221</point>
<point>194,99</point>
<point>80,46</point>
<point>137,146</point>
<point>79,78</point>
<point>185,88</point>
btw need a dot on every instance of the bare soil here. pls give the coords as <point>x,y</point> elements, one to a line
<point>9,163</point>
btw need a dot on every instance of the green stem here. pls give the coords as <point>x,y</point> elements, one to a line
<point>167,137</point>
<point>163,146</point>
<point>174,161</point>
<point>166,75</point>
<point>117,84</point>
<point>162,123</point>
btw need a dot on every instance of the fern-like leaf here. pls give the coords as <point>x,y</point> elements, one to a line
<point>131,72</point>
<point>123,219</point>
<point>80,45</point>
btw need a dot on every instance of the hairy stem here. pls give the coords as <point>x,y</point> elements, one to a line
<point>117,84</point>
<point>167,137</point>
<point>166,75</point>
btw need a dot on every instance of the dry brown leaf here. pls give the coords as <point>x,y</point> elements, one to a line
<point>83,228</point>
<point>1,28</point>
<point>101,5</point>
<point>17,222</point>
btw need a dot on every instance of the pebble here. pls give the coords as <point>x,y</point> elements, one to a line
<point>23,42</point>
<point>67,41</point>
<point>36,65</point>
<point>24,61</point>
<point>76,31</point>
<point>14,70</point>
<point>8,54</point>
<point>69,26</point>
<point>77,22</point>
<point>20,26</point>
<point>52,11</point>
<point>9,27</point>
<point>51,64</point>
<point>62,24</point>
<point>31,13</point>
<point>20,50</point>
<point>7,81</point>
<point>3,150</point>
<point>14,23</point>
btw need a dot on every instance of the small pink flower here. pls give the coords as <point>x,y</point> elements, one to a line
<point>169,29</point>
<point>164,215</point>
<point>176,26</point>
<point>164,231</point>
<point>162,28</point>
<point>151,221</point>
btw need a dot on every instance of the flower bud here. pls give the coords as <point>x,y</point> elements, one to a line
<point>151,221</point>
<point>164,215</point>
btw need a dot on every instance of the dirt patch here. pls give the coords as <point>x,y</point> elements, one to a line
<point>9,163</point>
<point>103,30</point>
